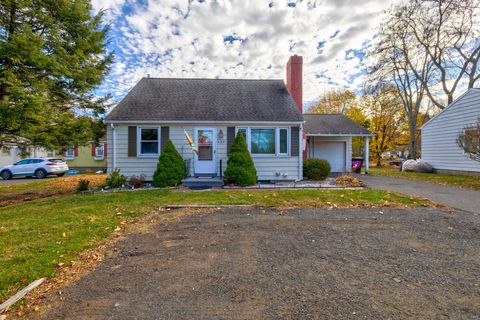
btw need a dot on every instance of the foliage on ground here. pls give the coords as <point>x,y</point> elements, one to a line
<point>469,182</point>
<point>170,168</point>
<point>240,168</point>
<point>316,169</point>
<point>46,188</point>
<point>348,181</point>
<point>36,237</point>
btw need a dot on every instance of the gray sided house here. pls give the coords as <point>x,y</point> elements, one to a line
<point>211,111</point>
<point>439,135</point>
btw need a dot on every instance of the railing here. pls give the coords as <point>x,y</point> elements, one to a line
<point>221,168</point>
<point>188,166</point>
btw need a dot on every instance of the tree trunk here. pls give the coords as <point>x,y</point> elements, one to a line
<point>412,143</point>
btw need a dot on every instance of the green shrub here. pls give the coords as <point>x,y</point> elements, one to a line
<point>170,168</point>
<point>116,179</point>
<point>240,167</point>
<point>316,169</point>
<point>83,185</point>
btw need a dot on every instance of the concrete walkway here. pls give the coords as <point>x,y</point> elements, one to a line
<point>457,198</point>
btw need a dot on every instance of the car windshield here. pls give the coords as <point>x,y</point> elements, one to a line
<point>56,160</point>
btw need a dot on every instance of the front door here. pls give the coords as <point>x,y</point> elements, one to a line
<point>205,139</point>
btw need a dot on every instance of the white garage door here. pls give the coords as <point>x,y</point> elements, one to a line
<point>333,152</point>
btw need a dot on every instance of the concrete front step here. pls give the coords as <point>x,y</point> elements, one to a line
<point>202,182</point>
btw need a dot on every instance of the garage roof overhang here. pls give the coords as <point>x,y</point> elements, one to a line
<point>340,134</point>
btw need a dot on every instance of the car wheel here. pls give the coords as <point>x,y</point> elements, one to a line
<point>6,175</point>
<point>40,174</point>
<point>60,174</point>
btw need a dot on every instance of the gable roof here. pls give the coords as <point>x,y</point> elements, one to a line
<point>450,105</point>
<point>332,124</point>
<point>216,100</point>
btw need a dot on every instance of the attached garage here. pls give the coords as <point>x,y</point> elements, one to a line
<point>335,152</point>
<point>329,137</point>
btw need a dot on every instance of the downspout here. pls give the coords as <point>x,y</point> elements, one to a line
<point>114,153</point>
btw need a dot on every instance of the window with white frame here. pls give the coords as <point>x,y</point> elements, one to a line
<point>267,141</point>
<point>283,141</point>
<point>148,141</point>
<point>70,153</point>
<point>100,151</point>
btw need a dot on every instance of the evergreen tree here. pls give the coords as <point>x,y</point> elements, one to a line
<point>52,56</point>
<point>170,168</point>
<point>240,167</point>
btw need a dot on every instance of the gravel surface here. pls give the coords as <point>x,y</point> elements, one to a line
<point>381,263</point>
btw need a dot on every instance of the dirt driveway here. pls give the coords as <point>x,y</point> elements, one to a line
<point>420,263</point>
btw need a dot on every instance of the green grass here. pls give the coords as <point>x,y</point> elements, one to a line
<point>469,182</point>
<point>35,236</point>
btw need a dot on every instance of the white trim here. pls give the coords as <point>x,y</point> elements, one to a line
<point>69,157</point>
<point>214,151</point>
<point>101,146</point>
<point>113,146</point>
<point>203,122</point>
<point>277,153</point>
<point>340,135</point>
<point>300,153</point>
<point>451,104</point>
<point>277,142</point>
<point>139,142</point>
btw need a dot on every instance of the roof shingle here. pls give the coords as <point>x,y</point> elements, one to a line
<point>330,124</point>
<point>163,99</point>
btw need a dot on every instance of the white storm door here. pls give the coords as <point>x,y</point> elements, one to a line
<point>205,160</point>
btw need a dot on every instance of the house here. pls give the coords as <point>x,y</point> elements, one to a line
<point>10,154</point>
<point>88,158</point>
<point>211,112</point>
<point>439,135</point>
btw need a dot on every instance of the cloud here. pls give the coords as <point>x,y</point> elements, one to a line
<point>240,39</point>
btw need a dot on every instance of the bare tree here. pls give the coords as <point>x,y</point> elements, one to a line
<point>392,64</point>
<point>469,141</point>
<point>447,33</point>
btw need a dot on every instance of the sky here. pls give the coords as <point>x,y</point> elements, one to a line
<point>245,39</point>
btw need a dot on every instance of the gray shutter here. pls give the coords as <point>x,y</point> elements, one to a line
<point>230,137</point>
<point>164,136</point>
<point>294,141</point>
<point>132,141</point>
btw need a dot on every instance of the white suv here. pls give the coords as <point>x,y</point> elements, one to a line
<point>38,167</point>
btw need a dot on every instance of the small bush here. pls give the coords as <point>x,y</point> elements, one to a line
<point>170,168</point>
<point>240,167</point>
<point>83,185</point>
<point>116,179</point>
<point>316,169</point>
<point>137,181</point>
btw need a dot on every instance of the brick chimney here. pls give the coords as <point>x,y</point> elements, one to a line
<point>295,80</point>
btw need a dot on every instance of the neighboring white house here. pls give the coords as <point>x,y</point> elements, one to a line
<point>12,153</point>
<point>439,147</point>
<point>211,112</point>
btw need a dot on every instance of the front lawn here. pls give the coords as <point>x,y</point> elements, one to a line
<point>36,189</point>
<point>469,182</point>
<point>36,236</point>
